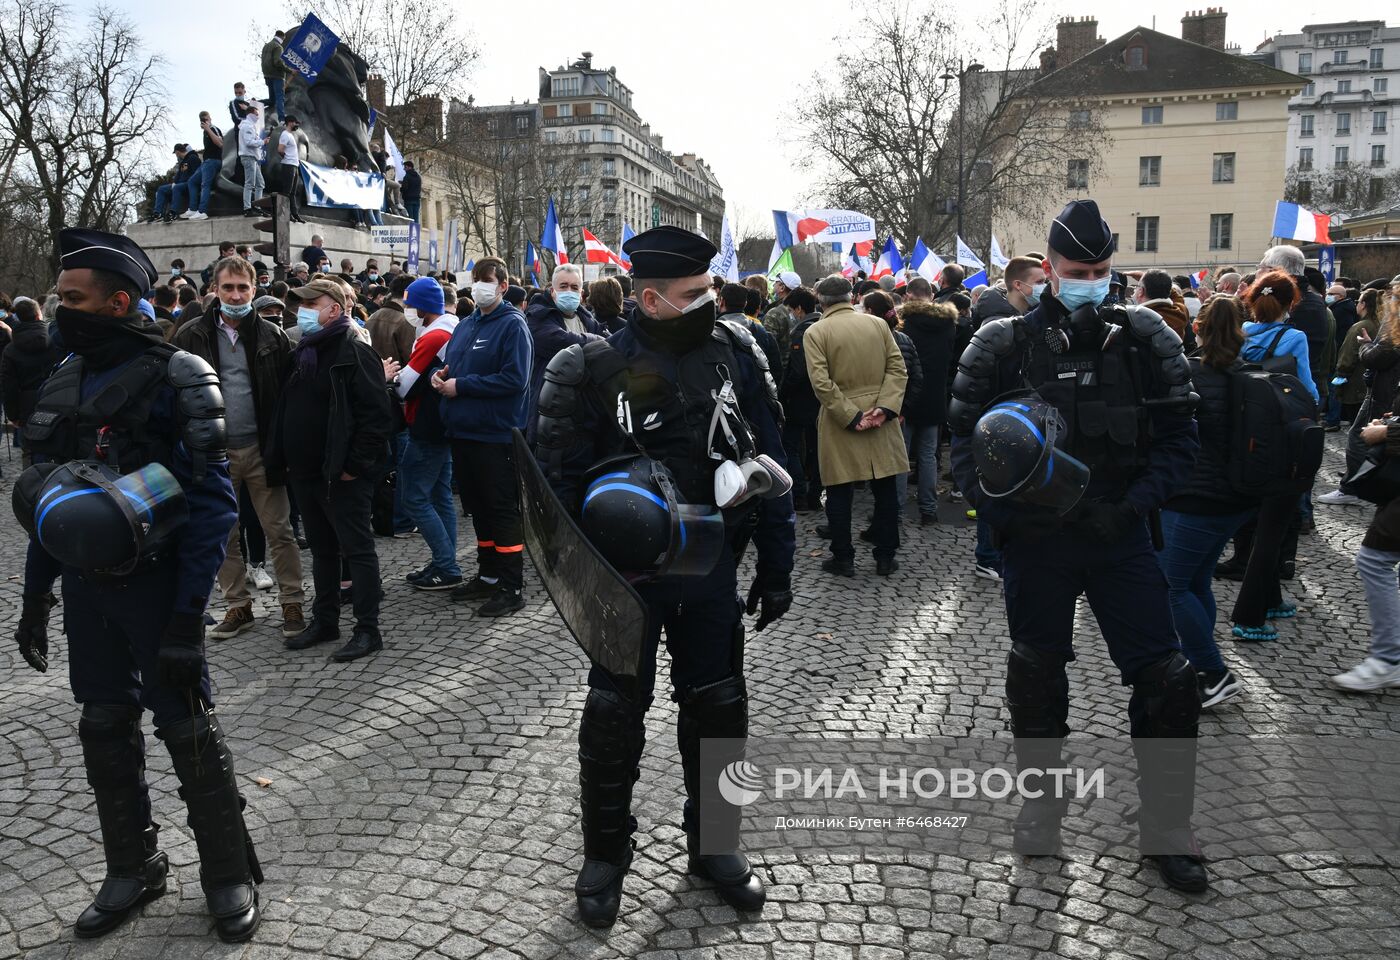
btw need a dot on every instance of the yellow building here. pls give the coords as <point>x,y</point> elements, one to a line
<point>1194,154</point>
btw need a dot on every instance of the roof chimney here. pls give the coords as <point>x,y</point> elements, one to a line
<point>1074,37</point>
<point>1205,27</point>
<point>374,92</point>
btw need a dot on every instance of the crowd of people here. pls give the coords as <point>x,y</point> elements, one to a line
<point>270,146</point>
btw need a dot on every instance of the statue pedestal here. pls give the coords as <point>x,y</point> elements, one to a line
<point>197,242</point>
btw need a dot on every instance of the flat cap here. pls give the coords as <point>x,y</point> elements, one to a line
<point>322,288</point>
<point>1080,233</point>
<point>664,252</point>
<point>81,249</point>
<point>263,302</point>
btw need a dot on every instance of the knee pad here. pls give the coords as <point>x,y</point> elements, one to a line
<point>1171,696</point>
<point>1037,692</point>
<point>106,722</point>
<point>718,710</point>
<point>609,728</point>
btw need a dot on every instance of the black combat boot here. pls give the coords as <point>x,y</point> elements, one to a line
<point>115,757</point>
<point>1165,710</point>
<point>228,866</point>
<point>608,753</point>
<point>1037,696</point>
<point>717,711</point>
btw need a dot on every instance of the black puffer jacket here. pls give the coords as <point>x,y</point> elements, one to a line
<point>25,365</point>
<point>932,330</point>
<point>800,404</point>
<point>992,305</point>
<point>1208,489</point>
<point>1382,360</point>
<point>912,367</point>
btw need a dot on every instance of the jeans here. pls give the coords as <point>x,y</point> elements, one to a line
<point>901,480</point>
<point>923,444</point>
<point>275,94</point>
<point>1191,545</point>
<point>253,185</point>
<point>207,173</point>
<point>172,198</point>
<point>336,518</point>
<point>412,207</point>
<point>485,475</point>
<point>986,552</point>
<point>1377,569</point>
<point>1334,410</point>
<point>425,479</point>
<point>403,523</point>
<point>287,176</point>
<point>885,526</point>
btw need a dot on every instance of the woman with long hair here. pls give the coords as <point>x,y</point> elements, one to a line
<point>1201,517</point>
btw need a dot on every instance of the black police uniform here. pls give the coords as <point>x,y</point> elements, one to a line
<point>669,392</point>
<point>1119,379</point>
<point>135,641</point>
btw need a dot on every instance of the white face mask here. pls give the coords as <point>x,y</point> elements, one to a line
<point>485,293</point>
<point>411,315</point>
<point>707,297</point>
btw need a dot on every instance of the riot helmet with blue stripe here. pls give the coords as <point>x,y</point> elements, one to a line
<point>632,513</point>
<point>1014,448</point>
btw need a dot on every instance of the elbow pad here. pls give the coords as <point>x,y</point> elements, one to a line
<point>199,410</point>
<point>975,383</point>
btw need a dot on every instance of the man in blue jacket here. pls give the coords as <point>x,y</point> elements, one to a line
<point>557,319</point>
<point>485,388</point>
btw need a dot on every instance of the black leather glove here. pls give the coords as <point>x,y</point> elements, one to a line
<point>770,598</point>
<point>1024,525</point>
<point>180,663</point>
<point>32,634</point>
<point>1108,522</point>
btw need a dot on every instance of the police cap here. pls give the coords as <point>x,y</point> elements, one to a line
<point>1081,234</point>
<point>665,252</point>
<point>81,249</point>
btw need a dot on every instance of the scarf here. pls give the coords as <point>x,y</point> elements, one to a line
<point>104,341</point>
<point>308,350</point>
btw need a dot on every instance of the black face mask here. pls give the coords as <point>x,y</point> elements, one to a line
<point>104,341</point>
<point>680,334</point>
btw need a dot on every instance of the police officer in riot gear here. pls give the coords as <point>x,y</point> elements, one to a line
<point>123,400</point>
<point>1119,379</point>
<point>696,395</point>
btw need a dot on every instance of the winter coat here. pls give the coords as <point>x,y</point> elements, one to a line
<point>854,365</point>
<point>800,405</point>
<point>1349,361</point>
<point>390,333</point>
<point>777,320</point>
<point>411,188</point>
<point>549,336</point>
<point>933,340</point>
<point>1345,315</point>
<point>1208,489</point>
<point>1384,530</point>
<point>765,342</point>
<point>1312,317</point>
<point>269,359</point>
<point>992,305</point>
<point>272,66</point>
<point>1175,314</point>
<point>1382,358</point>
<point>25,364</point>
<point>912,367</point>
<point>1260,337</point>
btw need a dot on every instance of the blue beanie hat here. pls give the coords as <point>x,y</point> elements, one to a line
<point>145,307</point>
<point>424,294</point>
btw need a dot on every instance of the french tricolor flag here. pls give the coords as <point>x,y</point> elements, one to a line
<point>890,264</point>
<point>1292,222</point>
<point>553,238</point>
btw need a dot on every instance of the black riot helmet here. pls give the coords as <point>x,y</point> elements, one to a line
<point>88,516</point>
<point>633,514</point>
<point>1013,446</point>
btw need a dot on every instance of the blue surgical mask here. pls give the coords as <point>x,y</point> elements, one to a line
<point>236,311</point>
<point>1331,298</point>
<point>308,320</point>
<point>1076,293</point>
<point>174,271</point>
<point>567,300</point>
<point>1037,289</point>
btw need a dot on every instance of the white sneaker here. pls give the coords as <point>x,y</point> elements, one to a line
<point>1373,673</point>
<point>1338,499</point>
<point>200,216</point>
<point>261,578</point>
<point>189,214</point>
<point>988,573</point>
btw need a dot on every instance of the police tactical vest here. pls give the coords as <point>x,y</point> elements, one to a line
<point>112,425</point>
<point>669,420</point>
<point>1099,393</point>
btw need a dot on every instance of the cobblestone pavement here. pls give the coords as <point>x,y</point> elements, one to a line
<point>423,803</point>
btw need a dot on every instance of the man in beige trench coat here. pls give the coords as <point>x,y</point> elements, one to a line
<point>858,375</point>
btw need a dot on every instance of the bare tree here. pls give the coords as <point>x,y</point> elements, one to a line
<point>77,104</point>
<point>886,124</point>
<point>420,48</point>
<point>1348,188</point>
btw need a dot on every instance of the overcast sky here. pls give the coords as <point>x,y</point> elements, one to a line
<point>731,107</point>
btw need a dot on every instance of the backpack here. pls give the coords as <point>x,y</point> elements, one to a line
<point>1275,444</point>
<point>1285,364</point>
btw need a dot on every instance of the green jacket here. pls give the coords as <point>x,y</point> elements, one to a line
<point>272,65</point>
<point>1349,361</point>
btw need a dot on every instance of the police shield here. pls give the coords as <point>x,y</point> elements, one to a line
<point>601,609</point>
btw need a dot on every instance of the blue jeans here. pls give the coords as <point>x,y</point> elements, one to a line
<point>987,555</point>
<point>412,207</point>
<point>922,442</point>
<point>402,521</point>
<point>425,479</point>
<point>208,171</point>
<point>1334,409</point>
<point>170,196</point>
<point>253,185</point>
<point>1191,545</point>
<point>1377,569</point>
<point>275,94</point>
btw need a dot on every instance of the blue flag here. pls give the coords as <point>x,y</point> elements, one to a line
<point>310,48</point>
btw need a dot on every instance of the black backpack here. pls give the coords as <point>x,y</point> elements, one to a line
<point>1275,439</point>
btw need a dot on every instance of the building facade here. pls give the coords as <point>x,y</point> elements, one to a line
<point>1342,138</point>
<point>1192,161</point>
